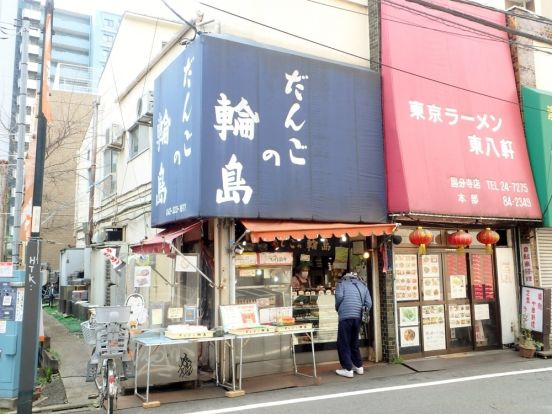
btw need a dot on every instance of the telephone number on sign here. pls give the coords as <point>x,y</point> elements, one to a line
<point>506,186</point>
<point>516,201</point>
<point>181,208</point>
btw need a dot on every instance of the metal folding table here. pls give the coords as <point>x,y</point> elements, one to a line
<point>158,341</point>
<point>291,333</point>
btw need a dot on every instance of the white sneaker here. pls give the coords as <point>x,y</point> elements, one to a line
<point>358,371</point>
<point>344,373</point>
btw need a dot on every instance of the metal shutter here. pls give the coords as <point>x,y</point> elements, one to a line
<point>544,256</point>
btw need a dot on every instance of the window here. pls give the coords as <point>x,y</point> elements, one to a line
<point>109,184</point>
<point>105,54</point>
<point>138,139</point>
<point>109,23</point>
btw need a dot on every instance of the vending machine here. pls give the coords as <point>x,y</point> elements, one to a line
<point>12,286</point>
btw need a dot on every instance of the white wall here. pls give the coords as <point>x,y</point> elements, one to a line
<point>70,260</point>
<point>343,30</point>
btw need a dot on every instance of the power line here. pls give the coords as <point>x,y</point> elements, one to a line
<point>463,27</point>
<point>484,36</point>
<point>372,60</point>
<point>192,26</point>
<point>487,36</point>
<point>481,21</point>
<point>337,7</point>
<point>536,18</point>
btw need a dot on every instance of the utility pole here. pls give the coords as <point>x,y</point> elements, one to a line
<point>22,102</point>
<point>92,174</point>
<point>28,354</point>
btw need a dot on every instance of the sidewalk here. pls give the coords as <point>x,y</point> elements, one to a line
<point>74,353</point>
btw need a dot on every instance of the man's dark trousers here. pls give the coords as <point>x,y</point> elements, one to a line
<point>348,343</point>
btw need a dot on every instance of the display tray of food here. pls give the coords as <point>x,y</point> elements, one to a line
<point>253,330</point>
<point>187,332</point>
<point>296,327</point>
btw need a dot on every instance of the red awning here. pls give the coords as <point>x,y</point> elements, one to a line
<point>161,242</point>
<point>269,230</point>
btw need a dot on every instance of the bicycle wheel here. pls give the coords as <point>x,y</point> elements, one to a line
<point>111,391</point>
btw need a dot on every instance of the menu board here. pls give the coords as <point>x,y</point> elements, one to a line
<point>457,286</point>
<point>431,276</point>
<point>406,280</point>
<point>532,308</point>
<point>408,316</point>
<point>459,316</point>
<point>482,277</point>
<point>239,316</point>
<point>433,320</point>
<point>410,336</point>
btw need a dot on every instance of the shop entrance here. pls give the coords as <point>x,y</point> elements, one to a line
<point>446,302</point>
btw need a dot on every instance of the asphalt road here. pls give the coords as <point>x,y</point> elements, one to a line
<point>520,387</point>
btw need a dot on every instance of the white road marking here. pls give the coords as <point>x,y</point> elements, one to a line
<point>371,391</point>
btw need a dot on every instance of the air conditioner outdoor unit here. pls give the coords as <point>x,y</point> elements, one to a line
<point>115,140</point>
<point>144,107</point>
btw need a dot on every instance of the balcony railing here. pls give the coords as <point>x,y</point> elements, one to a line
<point>74,78</point>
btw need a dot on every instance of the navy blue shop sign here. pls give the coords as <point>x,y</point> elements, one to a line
<point>246,131</point>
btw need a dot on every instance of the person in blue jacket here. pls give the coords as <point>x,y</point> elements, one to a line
<point>351,294</point>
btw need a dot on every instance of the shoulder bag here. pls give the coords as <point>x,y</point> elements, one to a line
<point>365,312</point>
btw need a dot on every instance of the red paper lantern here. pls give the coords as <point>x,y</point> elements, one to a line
<point>459,239</point>
<point>420,237</point>
<point>488,237</point>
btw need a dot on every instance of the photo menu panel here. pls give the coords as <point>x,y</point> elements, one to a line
<point>482,277</point>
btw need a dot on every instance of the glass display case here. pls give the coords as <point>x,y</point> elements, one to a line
<point>266,287</point>
<point>318,308</point>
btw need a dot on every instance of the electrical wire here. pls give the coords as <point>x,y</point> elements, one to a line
<point>536,18</point>
<point>452,24</point>
<point>463,27</point>
<point>337,7</point>
<point>192,26</point>
<point>476,37</point>
<point>480,21</point>
<point>370,60</point>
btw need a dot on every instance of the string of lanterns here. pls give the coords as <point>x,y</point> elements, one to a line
<point>460,239</point>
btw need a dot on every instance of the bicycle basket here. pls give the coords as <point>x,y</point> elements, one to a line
<point>88,332</point>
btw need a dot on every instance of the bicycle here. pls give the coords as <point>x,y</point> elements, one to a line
<point>110,362</point>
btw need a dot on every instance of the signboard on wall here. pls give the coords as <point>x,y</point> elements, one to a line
<point>535,309</point>
<point>454,138</point>
<point>527,265</point>
<point>237,124</point>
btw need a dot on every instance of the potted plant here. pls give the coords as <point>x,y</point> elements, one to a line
<point>526,344</point>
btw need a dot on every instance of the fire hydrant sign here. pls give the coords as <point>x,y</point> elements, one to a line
<point>532,307</point>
